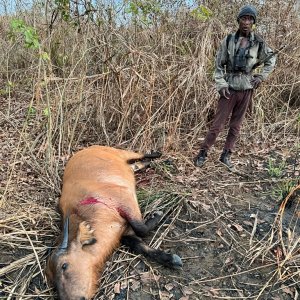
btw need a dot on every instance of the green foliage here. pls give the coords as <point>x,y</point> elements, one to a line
<point>201,13</point>
<point>275,170</point>
<point>63,6</point>
<point>283,189</point>
<point>8,88</point>
<point>162,199</point>
<point>31,111</point>
<point>143,10</point>
<point>44,56</point>
<point>73,11</point>
<point>19,27</point>
<point>167,168</point>
<point>46,112</point>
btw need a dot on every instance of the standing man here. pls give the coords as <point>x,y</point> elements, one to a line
<point>239,54</point>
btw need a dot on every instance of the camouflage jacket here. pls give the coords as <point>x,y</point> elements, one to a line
<point>258,51</point>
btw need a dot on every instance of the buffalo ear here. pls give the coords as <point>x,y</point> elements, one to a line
<point>86,234</point>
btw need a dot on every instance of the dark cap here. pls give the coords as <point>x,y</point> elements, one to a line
<point>247,10</point>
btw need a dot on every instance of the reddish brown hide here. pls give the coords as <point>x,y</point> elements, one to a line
<point>98,202</point>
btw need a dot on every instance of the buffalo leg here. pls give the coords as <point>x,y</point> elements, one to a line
<point>143,162</point>
<point>142,228</point>
<point>138,246</point>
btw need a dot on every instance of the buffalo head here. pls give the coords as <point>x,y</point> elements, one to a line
<point>72,267</point>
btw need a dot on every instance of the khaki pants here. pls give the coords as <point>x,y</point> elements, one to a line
<point>235,108</point>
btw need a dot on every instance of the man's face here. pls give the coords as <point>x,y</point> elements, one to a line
<point>245,24</point>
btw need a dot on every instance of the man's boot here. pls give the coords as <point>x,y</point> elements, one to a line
<point>200,158</point>
<point>225,158</point>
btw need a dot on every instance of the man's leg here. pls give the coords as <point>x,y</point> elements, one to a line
<point>223,112</point>
<point>243,98</point>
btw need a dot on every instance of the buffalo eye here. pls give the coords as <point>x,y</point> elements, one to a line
<point>64,266</point>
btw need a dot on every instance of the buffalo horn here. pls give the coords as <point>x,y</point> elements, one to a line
<point>64,244</point>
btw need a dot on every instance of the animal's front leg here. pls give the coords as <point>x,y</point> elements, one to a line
<point>141,227</point>
<point>153,220</point>
<point>138,246</point>
<point>138,225</point>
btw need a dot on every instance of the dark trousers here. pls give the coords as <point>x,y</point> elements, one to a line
<point>235,108</point>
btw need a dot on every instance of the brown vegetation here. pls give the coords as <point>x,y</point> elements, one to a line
<point>149,86</point>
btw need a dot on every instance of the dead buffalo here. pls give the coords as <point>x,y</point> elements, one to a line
<point>99,209</point>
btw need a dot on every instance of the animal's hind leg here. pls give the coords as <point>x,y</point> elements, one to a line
<point>139,165</point>
<point>131,156</point>
<point>144,158</point>
<point>152,155</point>
<point>138,246</point>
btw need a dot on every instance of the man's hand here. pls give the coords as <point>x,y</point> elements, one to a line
<point>256,82</point>
<point>224,92</point>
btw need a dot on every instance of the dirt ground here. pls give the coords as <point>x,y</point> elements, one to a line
<point>221,223</point>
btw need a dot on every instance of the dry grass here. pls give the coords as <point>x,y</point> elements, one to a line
<point>148,88</point>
